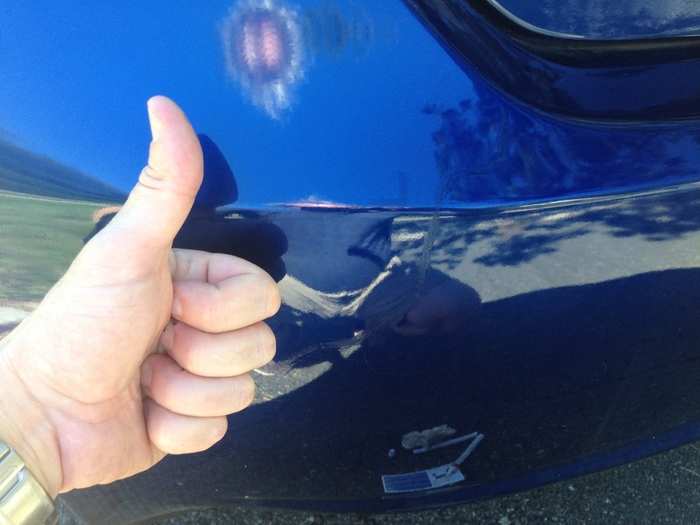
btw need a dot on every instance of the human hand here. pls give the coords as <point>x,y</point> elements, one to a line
<point>139,350</point>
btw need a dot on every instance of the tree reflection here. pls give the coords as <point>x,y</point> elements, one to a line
<point>489,151</point>
<point>486,149</point>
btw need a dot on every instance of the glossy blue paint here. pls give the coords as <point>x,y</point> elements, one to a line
<point>448,253</point>
<point>620,81</point>
<point>599,19</point>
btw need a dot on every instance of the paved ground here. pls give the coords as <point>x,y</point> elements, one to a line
<point>663,489</point>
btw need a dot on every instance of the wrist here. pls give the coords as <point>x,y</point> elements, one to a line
<point>25,427</point>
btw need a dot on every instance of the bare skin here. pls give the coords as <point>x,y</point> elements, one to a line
<point>139,350</point>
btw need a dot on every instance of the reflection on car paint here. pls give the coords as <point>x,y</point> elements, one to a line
<point>264,52</point>
<point>268,46</point>
<point>446,256</point>
<point>557,331</point>
<point>565,79</point>
<point>554,329</point>
<point>600,19</point>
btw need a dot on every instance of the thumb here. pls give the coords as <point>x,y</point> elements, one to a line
<point>161,200</point>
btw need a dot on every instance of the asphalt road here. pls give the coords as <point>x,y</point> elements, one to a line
<point>663,489</point>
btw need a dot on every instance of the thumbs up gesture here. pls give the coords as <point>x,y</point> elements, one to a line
<point>140,350</point>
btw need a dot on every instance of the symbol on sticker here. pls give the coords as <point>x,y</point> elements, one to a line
<point>433,478</point>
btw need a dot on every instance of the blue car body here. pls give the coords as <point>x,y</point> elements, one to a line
<point>481,218</point>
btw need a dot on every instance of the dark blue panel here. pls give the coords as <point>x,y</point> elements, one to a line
<point>601,19</point>
<point>566,334</point>
<point>464,232</point>
<point>622,81</point>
